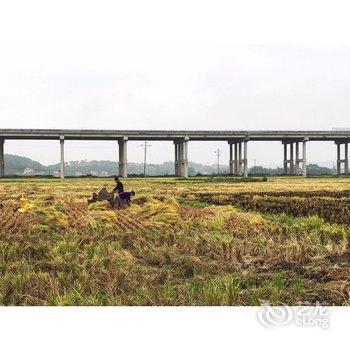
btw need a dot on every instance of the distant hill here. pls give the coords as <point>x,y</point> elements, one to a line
<point>17,165</point>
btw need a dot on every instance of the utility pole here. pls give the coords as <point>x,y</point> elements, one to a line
<point>218,153</point>
<point>145,145</point>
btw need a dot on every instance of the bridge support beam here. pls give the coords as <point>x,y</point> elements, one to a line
<point>182,157</point>
<point>123,162</point>
<point>294,165</point>
<point>300,163</point>
<point>340,160</point>
<point>297,160</point>
<point>304,158</point>
<point>62,157</point>
<point>238,158</point>
<point>291,159</point>
<point>347,158</point>
<point>285,158</point>
<point>245,159</point>
<point>177,157</point>
<point>232,162</point>
<point>2,158</point>
<point>236,165</point>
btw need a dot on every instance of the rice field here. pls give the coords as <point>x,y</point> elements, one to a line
<point>200,241</point>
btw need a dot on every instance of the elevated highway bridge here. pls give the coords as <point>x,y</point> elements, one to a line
<point>294,145</point>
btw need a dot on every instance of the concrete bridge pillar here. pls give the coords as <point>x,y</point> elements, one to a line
<point>183,158</point>
<point>341,160</point>
<point>346,145</point>
<point>62,156</point>
<point>232,162</point>
<point>304,157</point>
<point>300,162</point>
<point>338,159</point>
<point>238,158</point>
<point>291,159</point>
<point>123,162</point>
<point>294,165</point>
<point>236,165</point>
<point>245,159</point>
<point>288,162</point>
<point>2,158</point>
<point>177,157</point>
<point>285,158</point>
<point>297,160</point>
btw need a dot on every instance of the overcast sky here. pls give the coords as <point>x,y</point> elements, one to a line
<point>223,86</point>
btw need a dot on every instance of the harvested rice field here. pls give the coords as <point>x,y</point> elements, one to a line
<point>200,241</point>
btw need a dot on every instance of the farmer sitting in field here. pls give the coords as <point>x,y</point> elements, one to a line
<point>125,198</point>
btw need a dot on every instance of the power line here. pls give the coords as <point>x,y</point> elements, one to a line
<point>145,145</point>
<point>218,153</point>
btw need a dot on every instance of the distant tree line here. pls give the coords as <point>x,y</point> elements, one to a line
<point>312,169</point>
<point>16,165</point>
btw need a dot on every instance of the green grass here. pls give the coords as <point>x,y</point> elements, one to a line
<point>192,203</point>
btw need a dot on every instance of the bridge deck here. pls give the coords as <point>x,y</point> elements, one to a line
<point>194,135</point>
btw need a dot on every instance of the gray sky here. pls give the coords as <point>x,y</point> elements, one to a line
<point>69,70</point>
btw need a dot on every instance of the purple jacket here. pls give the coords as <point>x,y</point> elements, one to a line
<point>125,196</point>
